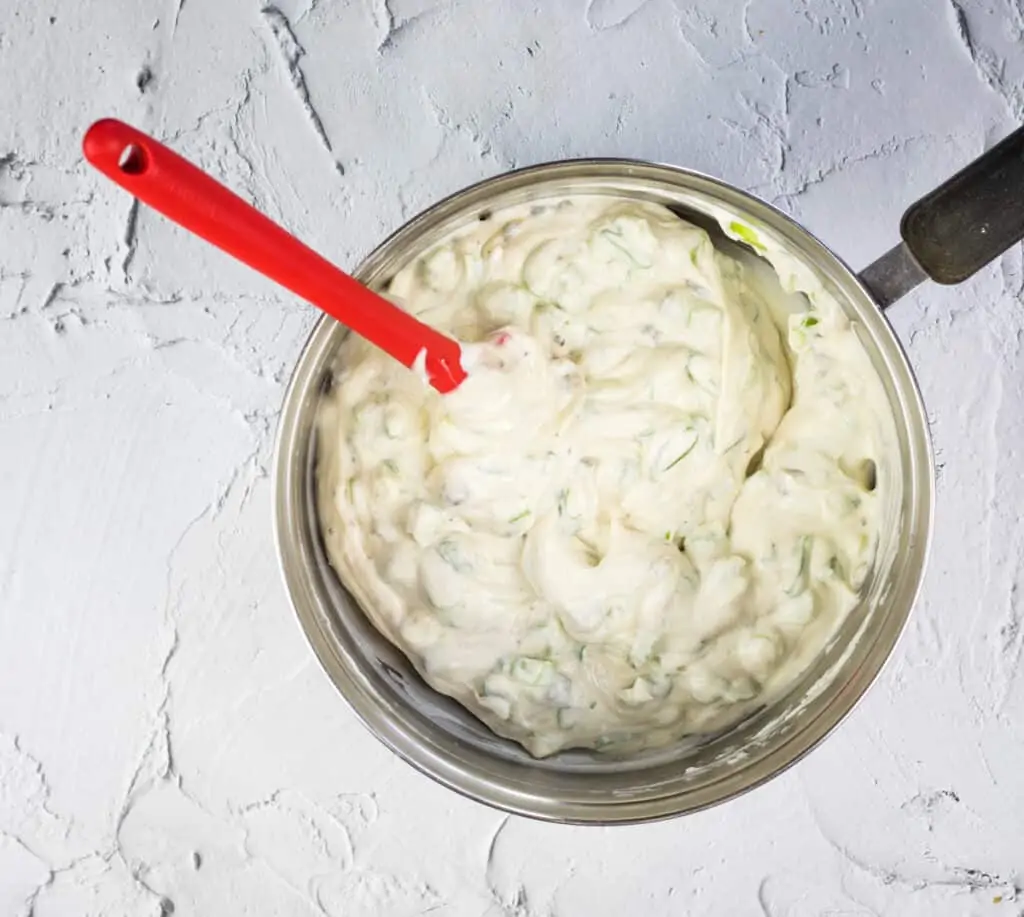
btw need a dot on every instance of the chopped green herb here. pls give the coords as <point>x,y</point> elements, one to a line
<point>800,582</point>
<point>532,671</point>
<point>836,566</point>
<point>682,455</point>
<point>612,239</point>
<point>521,515</point>
<point>744,232</point>
<point>450,553</point>
<point>732,446</point>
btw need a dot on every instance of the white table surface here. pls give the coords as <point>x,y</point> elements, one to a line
<point>167,740</point>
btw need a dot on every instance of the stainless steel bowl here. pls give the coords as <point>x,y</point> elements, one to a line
<point>444,741</point>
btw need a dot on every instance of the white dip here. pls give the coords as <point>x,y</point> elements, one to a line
<point>649,505</point>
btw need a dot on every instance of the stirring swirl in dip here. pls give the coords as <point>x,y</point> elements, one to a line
<point>646,509</point>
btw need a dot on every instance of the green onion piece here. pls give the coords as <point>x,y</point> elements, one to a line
<point>744,232</point>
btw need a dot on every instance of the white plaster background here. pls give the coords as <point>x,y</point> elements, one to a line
<point>167,741</point>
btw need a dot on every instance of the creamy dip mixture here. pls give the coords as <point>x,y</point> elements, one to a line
<point>648,506</point>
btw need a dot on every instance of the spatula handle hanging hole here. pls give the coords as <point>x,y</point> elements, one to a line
<point>133,160</point>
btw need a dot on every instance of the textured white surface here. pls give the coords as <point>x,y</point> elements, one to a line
<point>166,739</point>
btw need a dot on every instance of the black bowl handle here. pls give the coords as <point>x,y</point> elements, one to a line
<point>959,227</point>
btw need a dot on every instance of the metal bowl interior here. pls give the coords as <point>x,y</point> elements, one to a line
<point>438,736</point>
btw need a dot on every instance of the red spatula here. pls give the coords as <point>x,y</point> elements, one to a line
<point>192,199</point>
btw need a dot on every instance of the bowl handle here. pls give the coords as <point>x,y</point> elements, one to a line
<point>959,227</point>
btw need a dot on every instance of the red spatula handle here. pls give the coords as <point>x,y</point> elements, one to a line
<point>189,197</point>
